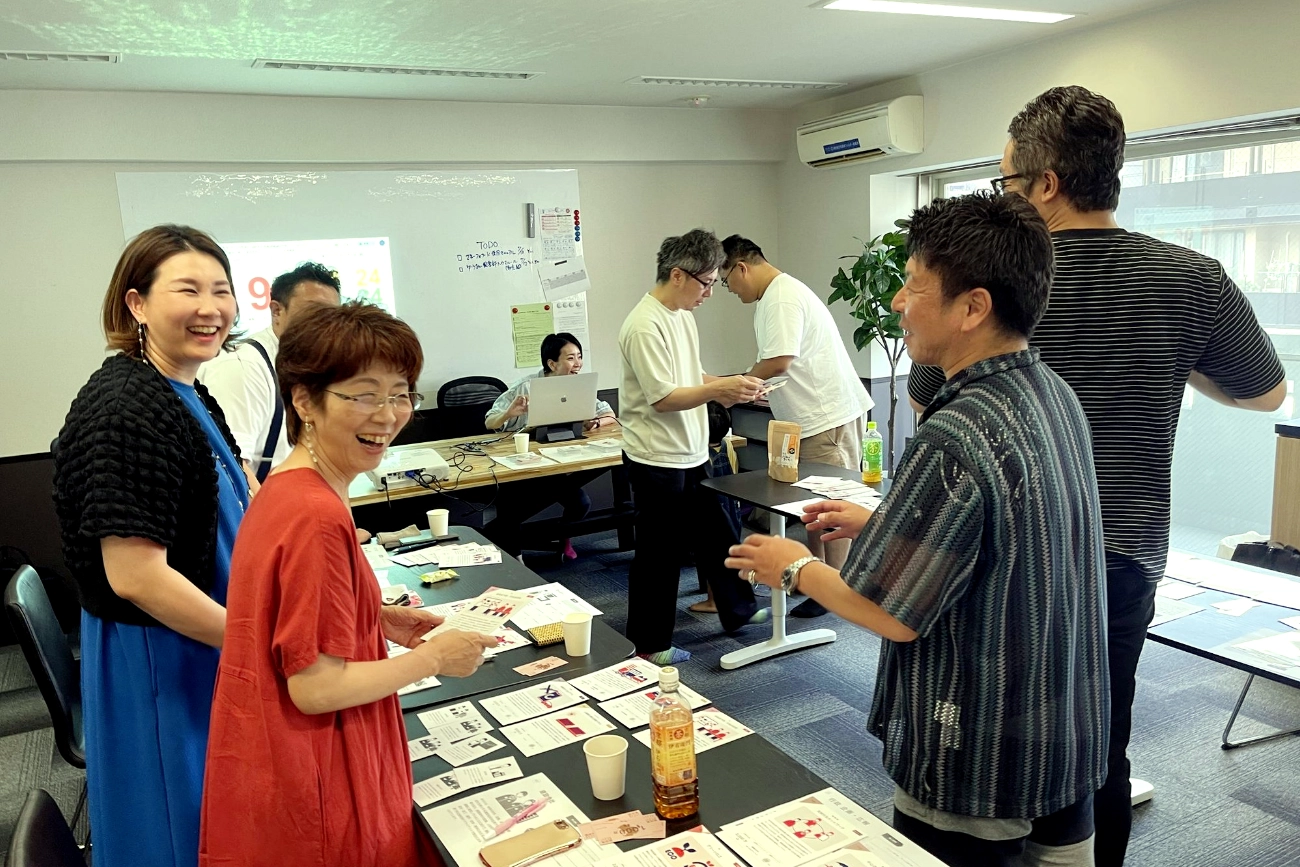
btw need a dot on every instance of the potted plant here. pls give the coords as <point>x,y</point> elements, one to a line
<point>869,287</point>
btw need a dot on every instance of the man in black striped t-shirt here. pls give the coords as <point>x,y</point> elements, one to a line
<point>1130,322</point>
<point>983,565</point>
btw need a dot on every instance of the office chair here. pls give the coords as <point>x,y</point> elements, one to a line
<point>470,390</point>
<point>57,674</point>
<point>41,837</point>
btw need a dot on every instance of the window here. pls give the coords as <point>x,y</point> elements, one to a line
<point>1240,205</point>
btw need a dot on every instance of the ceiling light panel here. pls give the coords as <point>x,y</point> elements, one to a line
<point>69,56</point>
<point>312,66</point>
<point>900,8</point>
<point>735,82</point>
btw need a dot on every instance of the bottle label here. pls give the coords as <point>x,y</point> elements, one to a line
<point>672,754</point>
<point>872,451</point>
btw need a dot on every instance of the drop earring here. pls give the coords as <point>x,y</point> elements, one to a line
<point>310,429</point>
<point>139,336</point>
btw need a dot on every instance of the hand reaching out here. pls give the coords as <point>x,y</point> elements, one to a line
<point>836,518</point>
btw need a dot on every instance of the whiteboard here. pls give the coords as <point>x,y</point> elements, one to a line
<point>458,241</point>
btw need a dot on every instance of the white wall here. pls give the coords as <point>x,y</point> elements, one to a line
<point>1189,63</point>
<point>643,174</point>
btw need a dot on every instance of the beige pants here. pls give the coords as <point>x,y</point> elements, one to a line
<point>840,447</point>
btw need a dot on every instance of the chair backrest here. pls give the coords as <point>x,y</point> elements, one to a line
<point>470,390</point>
<point>42,837</point>
<point>57,674</point>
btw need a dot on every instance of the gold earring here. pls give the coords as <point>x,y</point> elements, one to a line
<point>311,428</point>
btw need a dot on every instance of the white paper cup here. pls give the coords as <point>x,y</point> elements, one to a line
<point>521,443</point>
<point>606,765</point>
<point>438,521</point>
<point>577,633</point>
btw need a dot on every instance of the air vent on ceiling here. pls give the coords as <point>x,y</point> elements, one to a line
<point>311,66</point>
<point>72,56</point>
<point>736,82</point>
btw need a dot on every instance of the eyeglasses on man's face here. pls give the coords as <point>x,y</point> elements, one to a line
<point>697,279</point>
<point>725,277</point>
<point>370,403</point>
<point>1000,184</point>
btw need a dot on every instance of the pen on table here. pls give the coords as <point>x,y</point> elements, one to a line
<point>526,813</point>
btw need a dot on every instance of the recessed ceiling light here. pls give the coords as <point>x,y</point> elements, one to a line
<point>312,66</point>
<point>901,8</point>
<point>736,82</point>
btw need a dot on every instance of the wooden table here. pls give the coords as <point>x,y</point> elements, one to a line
<point>607,645</point>
<point>476,470</point>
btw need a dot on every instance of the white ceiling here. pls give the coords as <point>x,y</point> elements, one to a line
<point>585,50</point>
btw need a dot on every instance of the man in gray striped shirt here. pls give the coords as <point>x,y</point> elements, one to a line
<point>983,568</point>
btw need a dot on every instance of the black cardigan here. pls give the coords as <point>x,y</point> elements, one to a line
<point>133,461</point>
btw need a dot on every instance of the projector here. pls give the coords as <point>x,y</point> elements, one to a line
<point>396,469</point>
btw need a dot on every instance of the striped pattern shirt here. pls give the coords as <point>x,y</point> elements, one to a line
<point>988,545</point>
<point>1129,318</point>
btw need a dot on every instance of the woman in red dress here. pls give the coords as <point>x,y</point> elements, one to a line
<point>307,760</point>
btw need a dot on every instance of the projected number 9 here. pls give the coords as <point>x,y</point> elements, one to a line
<point>260,291</point>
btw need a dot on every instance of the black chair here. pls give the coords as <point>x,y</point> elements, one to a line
<point>41,837</point>
<point>470,390</point>
<point>57,674</point>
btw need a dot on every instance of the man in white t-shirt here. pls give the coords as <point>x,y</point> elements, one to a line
<point>244,382</point>
<point>798,340</point>
<point>666,450</point>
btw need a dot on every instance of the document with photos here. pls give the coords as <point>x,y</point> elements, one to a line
<point>487,613</point>
<point>633,711</point>
<point>458,780</point>
<point>693,848</point>
<point>422,684</point>
<point>507,639</point>
<point>621,677</point>
<point>556,730</point>
<point>808,830</point>
<point>444,735</point>
<point>533,700</point>
<point>548,604</point>
<point>453,713</point>
<point>713,728</point>
<point>466,751</point>
<point>466,824</point>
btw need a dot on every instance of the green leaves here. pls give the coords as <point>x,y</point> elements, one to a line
<point>870,284</point>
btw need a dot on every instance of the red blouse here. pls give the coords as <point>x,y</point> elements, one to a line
<point>284,787</point>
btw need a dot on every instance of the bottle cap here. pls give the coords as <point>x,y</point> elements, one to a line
<point>668,677</point>
<point>871,425</point>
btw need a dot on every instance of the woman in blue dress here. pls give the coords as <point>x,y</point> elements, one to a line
<point>150,491</point>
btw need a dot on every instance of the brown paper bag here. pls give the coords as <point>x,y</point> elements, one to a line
<point>783,450</point>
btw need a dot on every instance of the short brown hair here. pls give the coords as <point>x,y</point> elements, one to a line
<point>326,345</point>
<point>137,269</point>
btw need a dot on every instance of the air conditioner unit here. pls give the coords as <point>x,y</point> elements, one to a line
<point>886,129</point>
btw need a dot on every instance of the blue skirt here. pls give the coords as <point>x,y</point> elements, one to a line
<point>146,698</point>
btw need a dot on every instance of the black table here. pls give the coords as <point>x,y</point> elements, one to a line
<point>1207,632</point>
<point>759,489</point>
<point>607,646</point>
<point>737,780</point>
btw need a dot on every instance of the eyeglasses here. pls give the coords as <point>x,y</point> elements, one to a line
<point>708,285</point>
<point>727,276</point>
<point>1000,184</point>
<point>371,403</point>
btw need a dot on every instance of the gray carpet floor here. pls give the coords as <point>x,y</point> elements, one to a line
<point>1211,808</point>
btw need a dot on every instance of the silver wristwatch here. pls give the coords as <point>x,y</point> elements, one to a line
<point>790,577</point>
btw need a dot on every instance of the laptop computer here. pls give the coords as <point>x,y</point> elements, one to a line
<point>558,405</point>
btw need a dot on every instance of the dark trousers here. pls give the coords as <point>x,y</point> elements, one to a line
<point>1131,604</point>
<point>519,501</point>
<point>674,511</point>
<point>1062,828</point>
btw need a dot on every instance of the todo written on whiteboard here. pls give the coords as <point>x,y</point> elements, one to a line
<point>458,244</point>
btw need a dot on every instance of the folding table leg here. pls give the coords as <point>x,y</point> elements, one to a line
<point>1257,739</point>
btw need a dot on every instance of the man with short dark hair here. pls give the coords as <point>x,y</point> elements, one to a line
<point>982,568</point>
<point>1132,320</point>
<point>666,450</point>
<point>244,382</point>
<point>822,393</point>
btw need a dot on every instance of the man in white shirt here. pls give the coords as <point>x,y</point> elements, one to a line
<point>798,340</point>
<point>244,382</point>
<point>666,450</point>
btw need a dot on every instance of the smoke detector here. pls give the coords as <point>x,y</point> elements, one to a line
<point>696,101</point>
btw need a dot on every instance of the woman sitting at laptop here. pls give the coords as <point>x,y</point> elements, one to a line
<point>561,356</point>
